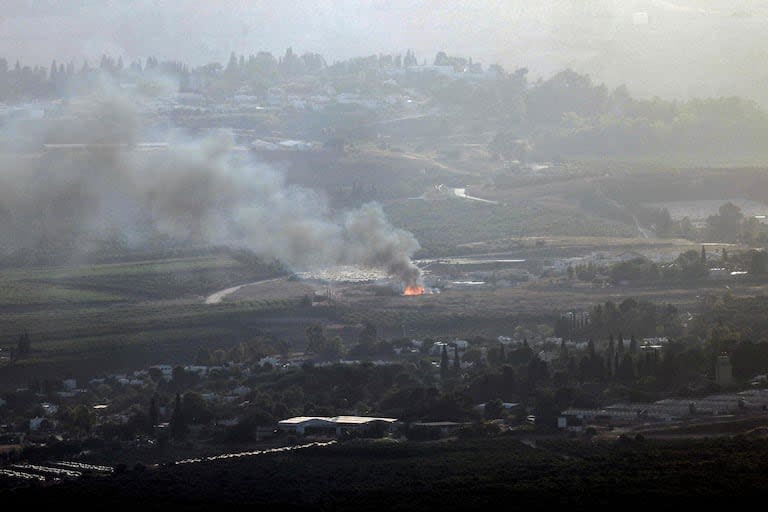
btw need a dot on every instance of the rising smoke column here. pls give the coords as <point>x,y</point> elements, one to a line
<point>198,189</point>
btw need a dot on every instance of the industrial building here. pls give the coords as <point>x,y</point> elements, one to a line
<point>336,426</point>
<point>669,409</point>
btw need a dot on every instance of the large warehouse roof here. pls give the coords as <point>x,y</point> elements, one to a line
<point>338,420</point>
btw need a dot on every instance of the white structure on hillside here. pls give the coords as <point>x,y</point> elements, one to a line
<point>336,426</point>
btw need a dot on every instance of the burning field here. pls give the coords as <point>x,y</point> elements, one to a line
<point>413,290</point>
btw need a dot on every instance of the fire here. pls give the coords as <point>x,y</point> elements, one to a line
<point>413,290</point>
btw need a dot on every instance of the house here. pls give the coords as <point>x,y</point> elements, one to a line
<point>37,423</point>
<point>460,344</point>
<point>241,390</point>
<point>719,273</point>
<point>165,369</point>
<point>335,426</point>
<point>570,423</point>
<point>296,145</point>
<point>271,360</point>
<point>437,348</point>
<point>49,408</point>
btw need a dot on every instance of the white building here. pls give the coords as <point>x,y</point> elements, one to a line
<point>336,426</point>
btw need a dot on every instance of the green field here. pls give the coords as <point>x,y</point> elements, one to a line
<point>107,316</point>
<point>441,225</point>
<point>121,282</point>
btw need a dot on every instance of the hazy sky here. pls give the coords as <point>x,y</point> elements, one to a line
<point>665,47</point>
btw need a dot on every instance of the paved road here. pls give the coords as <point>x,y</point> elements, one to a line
<point>462,192</point>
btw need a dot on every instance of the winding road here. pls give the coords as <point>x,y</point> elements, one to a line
<point>216,298</point>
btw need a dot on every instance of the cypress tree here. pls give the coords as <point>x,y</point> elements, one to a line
<point>456,360</point>
<point>444,367</point>
<point>178,423</point>
<point>24,345</point>
<point>611,347</point>
<point>154,412</point>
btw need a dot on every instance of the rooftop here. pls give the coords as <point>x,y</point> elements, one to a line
<point>347,420</point>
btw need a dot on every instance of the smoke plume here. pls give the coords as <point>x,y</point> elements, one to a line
<point>194,190</point>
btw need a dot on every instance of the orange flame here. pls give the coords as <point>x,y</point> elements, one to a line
<point>413,290</point>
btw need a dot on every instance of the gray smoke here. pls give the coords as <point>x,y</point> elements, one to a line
<point>197,189</point>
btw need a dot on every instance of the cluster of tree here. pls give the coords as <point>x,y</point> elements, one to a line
<point>690,265</point>
<point>641,317</point>
<point>250,351</point>
<point>253,73</point>
<point>566,115</point>
<point>730,225</point>
<point>587,119</point>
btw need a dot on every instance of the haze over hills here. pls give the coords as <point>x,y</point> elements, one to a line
<point>268,252</point>
<point>670,48</point>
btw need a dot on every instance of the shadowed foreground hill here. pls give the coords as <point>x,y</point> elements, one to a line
<point>445,476</point>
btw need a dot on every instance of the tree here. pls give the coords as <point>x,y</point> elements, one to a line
<point>444,367</point>
<point>180,377</point>
<point>494,409</point>
<point>315,339</point>
<point>178,422</point>
<point>609,356</point>
<point>24,345</point>
<point>663,222</point>
<point>154,412</point>
<point>725,226</point>
<point>368,335</point>
<point>691,265</point>
<point>332,349</point>
<point>196,411</point>
<point>155,373</point>
<point>203,356</point>
<point>80,419</point>
<point>626,370</point>
<point>456,360</point>
<point>508,381</point>
<point>758,263</point>
<point>232,64</point>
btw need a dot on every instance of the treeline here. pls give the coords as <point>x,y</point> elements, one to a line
<point>564,116</point>
<point>689,267</point>
<point>569,116</point>
<point>639,317</point>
